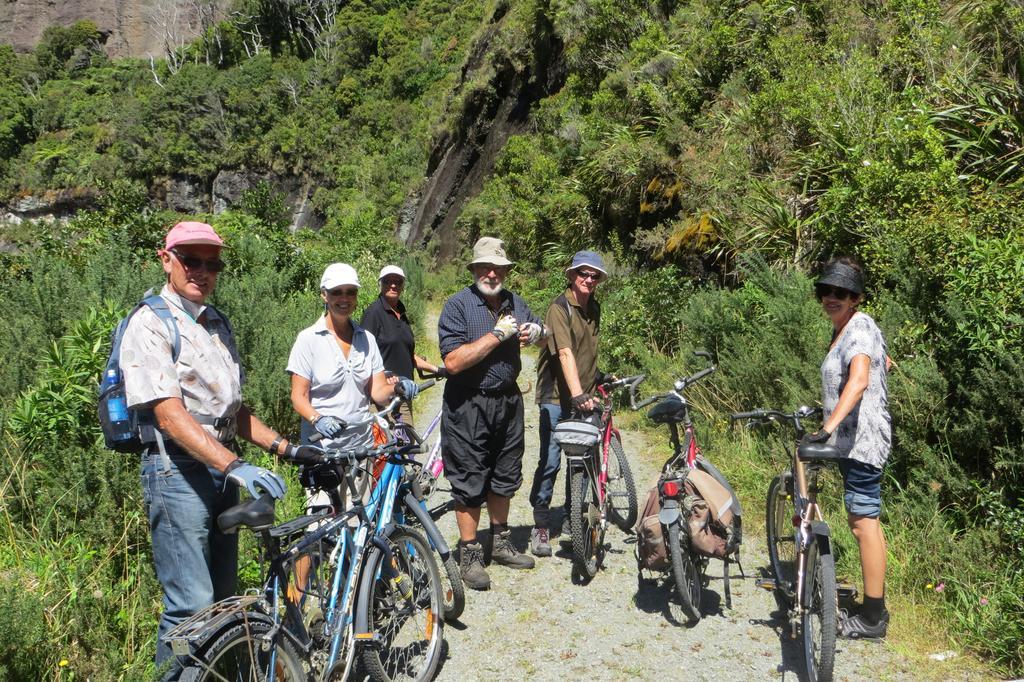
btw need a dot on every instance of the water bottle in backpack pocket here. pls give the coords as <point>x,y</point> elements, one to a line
<point>119,423</point>
<point>116,421</point>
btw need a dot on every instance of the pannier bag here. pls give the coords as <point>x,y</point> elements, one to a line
<point>707,506</point>
<point>577,436</point>
<point>651,550</point>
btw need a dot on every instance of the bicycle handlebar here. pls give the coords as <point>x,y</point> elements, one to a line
<point>765,415</point>
<point>679,386</point>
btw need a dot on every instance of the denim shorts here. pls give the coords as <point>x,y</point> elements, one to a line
<point>862,486</point>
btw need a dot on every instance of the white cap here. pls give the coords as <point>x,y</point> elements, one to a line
<point>390,270</point>
<point>338,274</point>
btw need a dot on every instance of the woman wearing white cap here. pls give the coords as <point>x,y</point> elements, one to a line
<point>337,369</point>
<point>386,319</point>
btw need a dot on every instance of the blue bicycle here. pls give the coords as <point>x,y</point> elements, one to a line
<point>369,586</point>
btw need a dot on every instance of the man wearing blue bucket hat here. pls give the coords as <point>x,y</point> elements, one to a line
<point>567,377</point>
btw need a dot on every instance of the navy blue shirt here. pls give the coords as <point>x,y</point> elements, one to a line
<point>465,318</point>
<point>393,334</point>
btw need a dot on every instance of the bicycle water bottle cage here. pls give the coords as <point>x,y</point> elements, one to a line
<point>671,410</point>
<point>576,437</point>
<point>818,452</point>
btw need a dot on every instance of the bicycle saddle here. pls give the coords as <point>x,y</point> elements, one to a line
<point>818,452</point>
<point>257,514</point>
<point>671,410</point>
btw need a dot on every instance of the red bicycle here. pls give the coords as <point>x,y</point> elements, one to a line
<point>601,487</point>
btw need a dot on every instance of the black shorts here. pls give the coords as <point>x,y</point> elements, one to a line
<point>482,441</point>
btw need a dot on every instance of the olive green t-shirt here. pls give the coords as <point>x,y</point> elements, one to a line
<point>575,328</point>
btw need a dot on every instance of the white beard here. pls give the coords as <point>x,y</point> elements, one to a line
<point>487,289</point>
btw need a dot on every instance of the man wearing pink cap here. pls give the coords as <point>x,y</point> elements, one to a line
<point>184,380</point>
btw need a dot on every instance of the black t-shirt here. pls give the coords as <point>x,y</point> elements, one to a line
<point>393,334</point>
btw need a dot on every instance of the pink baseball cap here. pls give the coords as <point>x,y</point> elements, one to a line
<point>192,233</point>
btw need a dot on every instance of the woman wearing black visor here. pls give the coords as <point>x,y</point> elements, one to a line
<point>856,412</point>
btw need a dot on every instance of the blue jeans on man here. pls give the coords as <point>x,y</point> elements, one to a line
<point>549,461</point>
<point>195,563</point>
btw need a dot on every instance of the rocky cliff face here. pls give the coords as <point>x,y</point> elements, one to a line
<point>134,28</point>
<point>485,114</point>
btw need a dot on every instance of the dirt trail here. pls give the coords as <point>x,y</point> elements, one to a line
<point>537,624</point>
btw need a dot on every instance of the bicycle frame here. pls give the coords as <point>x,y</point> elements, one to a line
<point>811,527</point>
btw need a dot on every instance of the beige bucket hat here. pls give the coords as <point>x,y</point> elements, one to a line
<point>489,250</point>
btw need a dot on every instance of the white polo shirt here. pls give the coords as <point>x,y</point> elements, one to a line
<point>338,386</point>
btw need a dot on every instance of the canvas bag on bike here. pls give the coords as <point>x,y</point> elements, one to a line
<point>651,551</point>
<point>707,506</point>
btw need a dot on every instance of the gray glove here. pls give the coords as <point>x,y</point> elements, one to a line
<point>254,479</point>
<point>505,328</point>
<point>533,332</point>
<point>329,427</point>
<point>406,388</point>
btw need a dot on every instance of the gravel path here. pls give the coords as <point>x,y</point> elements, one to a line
<point>537,624</point>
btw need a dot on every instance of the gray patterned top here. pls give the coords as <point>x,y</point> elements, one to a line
<point>866,433</point>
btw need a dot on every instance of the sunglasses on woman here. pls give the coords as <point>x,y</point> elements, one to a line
<point>195,263</point>
<point>823,290</point>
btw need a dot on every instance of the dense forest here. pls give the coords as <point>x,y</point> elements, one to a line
<point>718,151</point>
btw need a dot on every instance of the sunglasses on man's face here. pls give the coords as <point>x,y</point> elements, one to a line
<point>393,282</point>
<point>592,276</point>
<point>194,263</point>
<point>344,292</point>
<point>823,290</point>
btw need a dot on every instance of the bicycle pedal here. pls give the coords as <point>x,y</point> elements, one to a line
<point>845,590</point>
<point>766,584</point>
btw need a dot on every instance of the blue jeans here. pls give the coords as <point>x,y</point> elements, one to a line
<point>195,563</point>
<point>549,462</point>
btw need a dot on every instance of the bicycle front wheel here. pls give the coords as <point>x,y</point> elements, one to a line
<point>685,573</point>
<point>584,525</point>
<point>452,589</point>
<point>778,520</point>
<point>622,505</point>
<point>405,614</point>
<point>818,623</point>
<point>238,654</point>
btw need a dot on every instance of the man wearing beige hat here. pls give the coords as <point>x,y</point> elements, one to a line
<point>183,378</point>
<point>481,330</point>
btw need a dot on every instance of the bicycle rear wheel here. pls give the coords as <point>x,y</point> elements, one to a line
<point>621,492</point>
<point>778,520</point>
<point>818,624</point>
<point>584,525</point>
<point>238,655</point>
<point>404,616</point>
<point>685,573</point>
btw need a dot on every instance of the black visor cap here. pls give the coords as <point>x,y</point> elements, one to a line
<point>842,276</point>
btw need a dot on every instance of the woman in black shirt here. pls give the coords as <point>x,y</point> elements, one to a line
<point>385,318</point>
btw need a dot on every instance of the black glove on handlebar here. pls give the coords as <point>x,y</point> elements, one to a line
<point>819,436</point>
<point>578,401</point>
<point>300,454</point>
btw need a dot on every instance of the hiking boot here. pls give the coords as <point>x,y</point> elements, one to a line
<point>471,565</point>
<point>540,542</point>
<point>504,552</point>
<point>855,627</point>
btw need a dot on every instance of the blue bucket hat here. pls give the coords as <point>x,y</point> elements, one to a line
<point>588,259</point>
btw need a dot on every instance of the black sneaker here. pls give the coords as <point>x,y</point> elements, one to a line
<point>855,627</point>
<point>506,554</point>
<point>471,565</point>
<point>540,542</point>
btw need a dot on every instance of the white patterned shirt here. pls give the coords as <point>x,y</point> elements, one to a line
<point>208,375</point>
<point>866,433</point>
